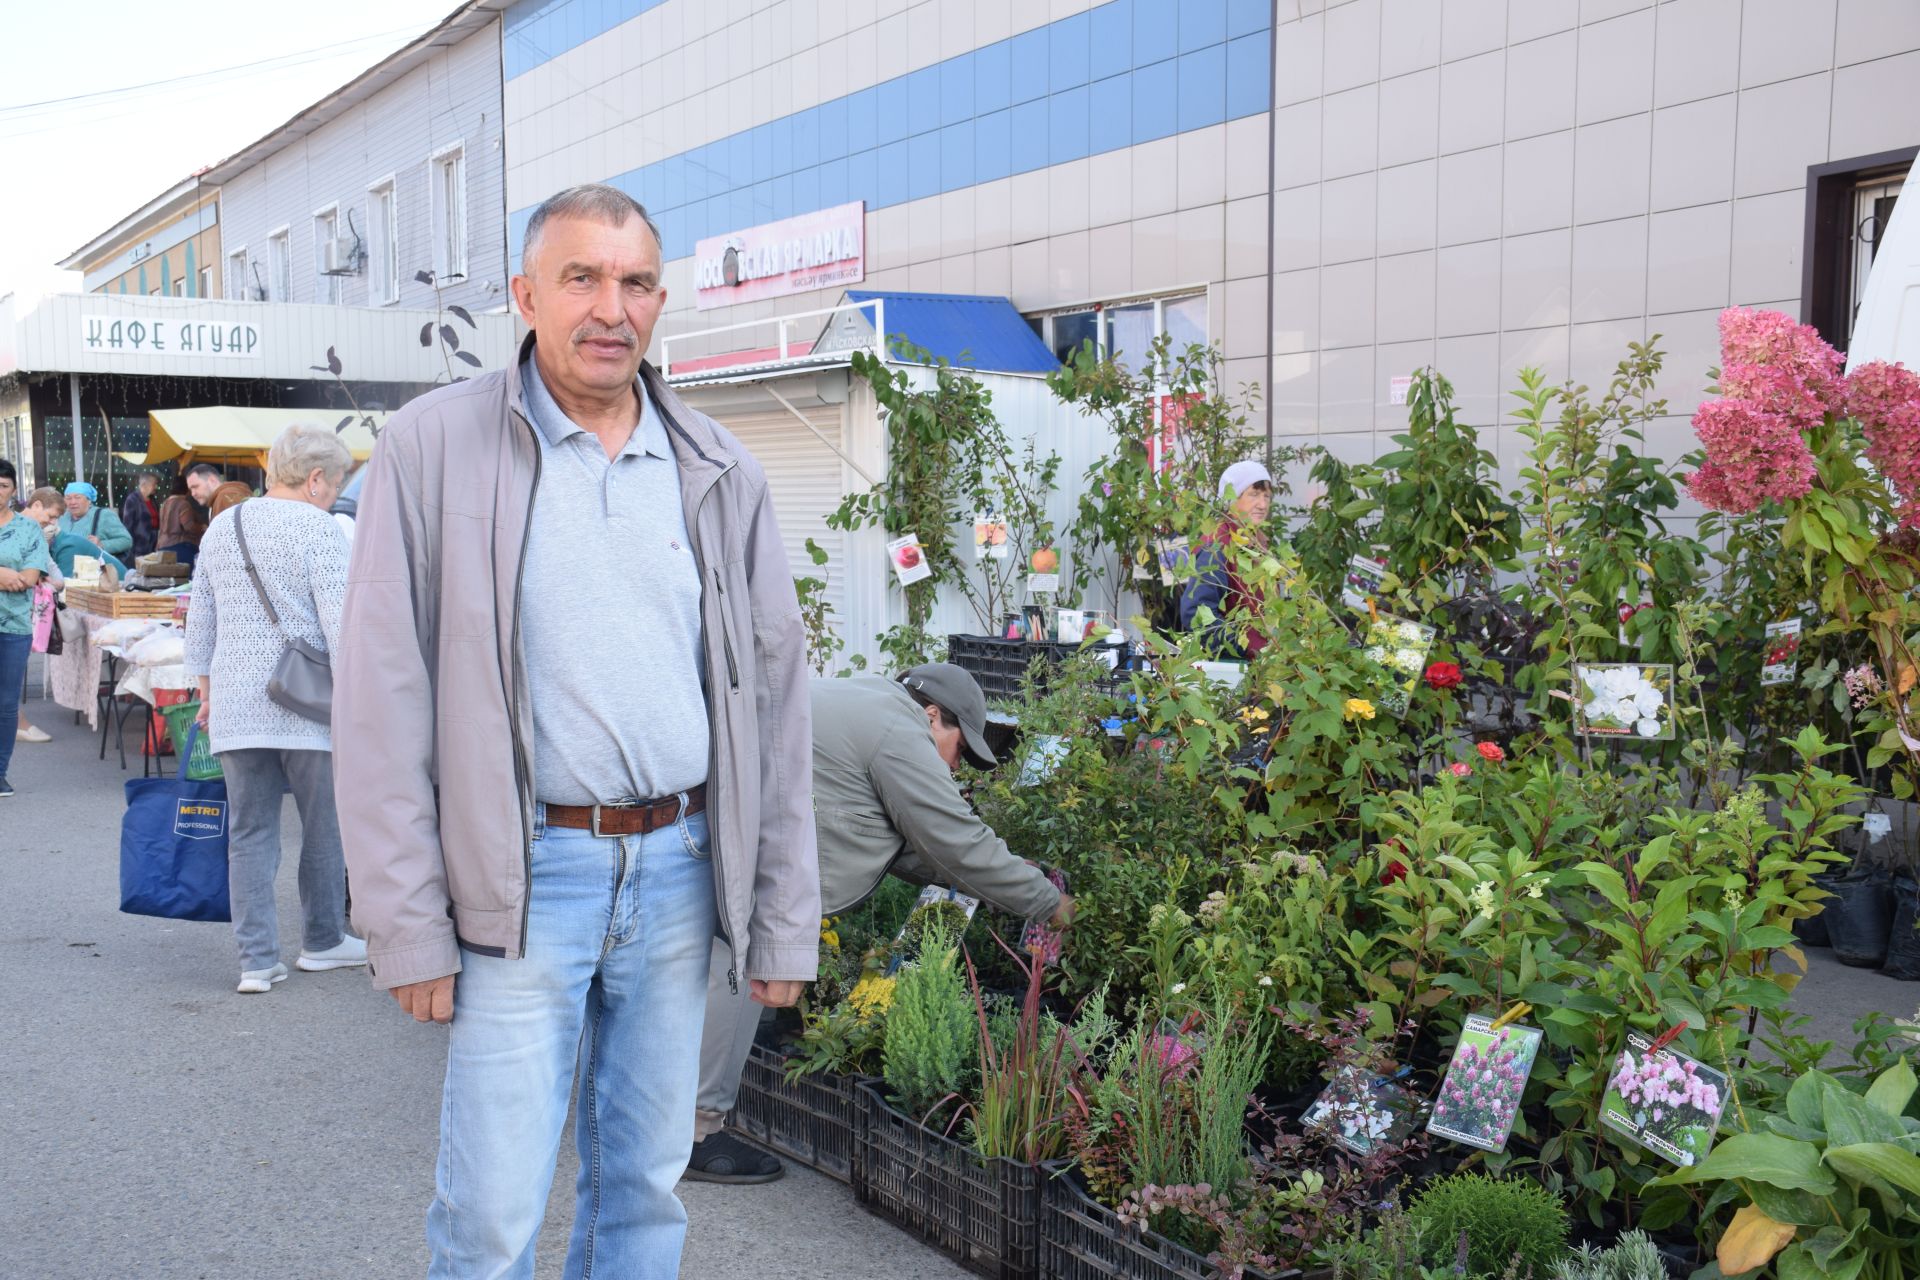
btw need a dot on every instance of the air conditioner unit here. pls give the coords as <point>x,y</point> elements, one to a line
<point>340,257</point>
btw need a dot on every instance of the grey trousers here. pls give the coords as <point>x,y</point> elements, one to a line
<point>724,1044</point>
<point>256,779</point>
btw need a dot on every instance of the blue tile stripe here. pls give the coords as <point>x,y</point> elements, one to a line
<point>539,31</point>
<point>1125,72</point>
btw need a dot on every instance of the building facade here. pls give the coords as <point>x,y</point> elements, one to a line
<point>168,249</point>
<point>1334,193</point>
<point>399,172</point>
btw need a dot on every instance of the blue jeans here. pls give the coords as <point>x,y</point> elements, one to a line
<point>14,651</point>
<point>613,988</point>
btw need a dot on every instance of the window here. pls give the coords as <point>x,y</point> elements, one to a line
<point>448,181</point>
<point>206,282</point>
<point>326,229</point>
<point>383,245</point>
<point>1127,330</point>
<point>1849,204</point>
<point>239,284</point>
<point>280,266</point>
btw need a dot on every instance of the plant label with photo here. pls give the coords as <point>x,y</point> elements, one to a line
<point>909,560</point>
<point>1480,1098</point>
<point>1782,647</point>
<point>1365,575</point>
<point>935,902</point>
<point>1070,625</point>
<point>1042,584</point>
<point>1623,700</point>
<point>990,538</point>
<point>1170,557</point>
<point>1043,759</point>
<point>1877,826</point>
<point>1399,648</point>
<point>1666,1101</point>
<point>1363,1112</point>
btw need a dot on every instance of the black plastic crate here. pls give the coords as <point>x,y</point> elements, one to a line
<point>1082,1239</point>
<point>984,1214</point>
<point>809,1119</point>
<point>1000,664</point>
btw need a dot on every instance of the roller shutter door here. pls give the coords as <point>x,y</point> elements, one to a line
<point>806,480</point>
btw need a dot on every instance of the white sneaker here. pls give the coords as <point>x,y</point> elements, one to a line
<point>348,953</point>
<point>254,981</point>
<point>31,733</point>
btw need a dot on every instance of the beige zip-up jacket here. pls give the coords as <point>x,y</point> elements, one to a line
<point>432,726</point>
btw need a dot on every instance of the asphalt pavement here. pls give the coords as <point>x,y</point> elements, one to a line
<point>154,1124</point>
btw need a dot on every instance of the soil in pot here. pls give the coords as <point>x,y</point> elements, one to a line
<point>1903,939</point>
<point>1859,918</point>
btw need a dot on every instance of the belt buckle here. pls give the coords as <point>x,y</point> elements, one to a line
<point>617,808</point>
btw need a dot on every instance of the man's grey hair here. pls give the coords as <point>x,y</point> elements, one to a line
<point>595,201</point>
<point>304,448</point>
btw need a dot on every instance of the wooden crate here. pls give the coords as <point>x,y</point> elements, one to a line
<point>120,604</point>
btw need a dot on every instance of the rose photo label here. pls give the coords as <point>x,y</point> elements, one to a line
<point>1781,650</point>
<point>909,560</point>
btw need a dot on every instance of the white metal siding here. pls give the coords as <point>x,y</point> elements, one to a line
<point>454,97</point>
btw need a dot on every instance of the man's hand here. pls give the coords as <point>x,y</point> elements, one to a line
<point>429,1001</point>
<point>1064,915</point>
<point>775,995</point>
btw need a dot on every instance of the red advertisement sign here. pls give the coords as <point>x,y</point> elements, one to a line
<point>816,250</point>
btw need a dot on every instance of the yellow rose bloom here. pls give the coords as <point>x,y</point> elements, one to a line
<point>1359,709</point>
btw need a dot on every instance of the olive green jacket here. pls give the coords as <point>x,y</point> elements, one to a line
<point>884,801</point>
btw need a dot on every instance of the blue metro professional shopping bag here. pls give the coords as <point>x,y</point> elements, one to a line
<point>173,846</point>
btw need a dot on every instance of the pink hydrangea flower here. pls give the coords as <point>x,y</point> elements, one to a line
<point>1886,400</point>
<point>1778,378</point>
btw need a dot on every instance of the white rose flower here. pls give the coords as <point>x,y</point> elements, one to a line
<point>1647,727</point>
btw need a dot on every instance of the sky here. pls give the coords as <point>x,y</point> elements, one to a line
<point>104,104</point>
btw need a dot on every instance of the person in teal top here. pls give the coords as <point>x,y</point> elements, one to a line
<point>23,563</point>
<point>94,523</point>
<point>43,508</point>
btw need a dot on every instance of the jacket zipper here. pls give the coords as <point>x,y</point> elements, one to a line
<point>713,828</point>
<point>726,635</point>
<point>521,782</point>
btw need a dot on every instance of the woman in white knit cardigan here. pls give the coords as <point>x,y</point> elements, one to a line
<point>233,645</point>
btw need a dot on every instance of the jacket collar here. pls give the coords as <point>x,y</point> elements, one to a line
<point>695,446</point>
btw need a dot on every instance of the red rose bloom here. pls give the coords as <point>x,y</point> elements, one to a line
<point>1490,752</point>
<point>1443,675</point>
<point>1396,870</point>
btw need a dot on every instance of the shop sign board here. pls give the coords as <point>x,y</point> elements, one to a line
<point>819,250</point>
<point>168,336</point>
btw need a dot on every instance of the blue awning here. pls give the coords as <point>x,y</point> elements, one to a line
<point>969,330</point>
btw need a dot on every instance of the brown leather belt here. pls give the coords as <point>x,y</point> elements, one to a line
<point>627,819</point>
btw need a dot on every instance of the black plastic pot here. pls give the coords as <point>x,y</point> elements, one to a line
<point>1812,930</point>
<point>1903,940</point>
<point>1859,918</point>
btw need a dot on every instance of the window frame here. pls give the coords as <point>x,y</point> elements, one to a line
<point>450,246</point>
<point>1826,256</point>
<point>383,243</point>
<point>241,279</point>
<point>1104,308</point>
<point>326,288</point>
<point>280,264</point>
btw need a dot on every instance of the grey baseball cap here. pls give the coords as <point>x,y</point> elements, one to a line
<point>955,690</point>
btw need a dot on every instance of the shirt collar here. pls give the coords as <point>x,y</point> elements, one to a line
<point>649,437</point>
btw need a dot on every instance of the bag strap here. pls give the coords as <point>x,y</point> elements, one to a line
<point>95,531</point>
<point>186,752</point>
<point>246,558</point>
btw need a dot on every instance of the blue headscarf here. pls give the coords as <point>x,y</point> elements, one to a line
<point>84,489</point>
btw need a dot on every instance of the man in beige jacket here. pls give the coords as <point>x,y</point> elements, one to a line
<point>571,738</point>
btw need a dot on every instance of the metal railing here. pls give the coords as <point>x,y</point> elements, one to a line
<point>783,345</point>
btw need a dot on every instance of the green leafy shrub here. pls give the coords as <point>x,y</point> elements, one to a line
<point>1500,1217</point>
<point>931,1028</point>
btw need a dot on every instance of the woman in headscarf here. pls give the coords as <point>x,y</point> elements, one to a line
<point>94,523</point>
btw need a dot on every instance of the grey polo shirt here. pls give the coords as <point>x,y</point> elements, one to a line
<point>610,615</point>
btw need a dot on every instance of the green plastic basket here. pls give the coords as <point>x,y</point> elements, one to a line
<point>204,766</point>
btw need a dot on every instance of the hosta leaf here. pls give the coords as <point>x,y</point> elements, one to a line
<point>1882,1161</point>
<point>1894,1089</point>
<point>1751,1240</point>
<point>1850,1120</point>
<point>1763,1157</point>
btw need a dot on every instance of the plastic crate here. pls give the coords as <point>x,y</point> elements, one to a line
<point>1082,1239</point>
<point>1000,665</point>
<point>809,1119</point>
<point>984,1214</point>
